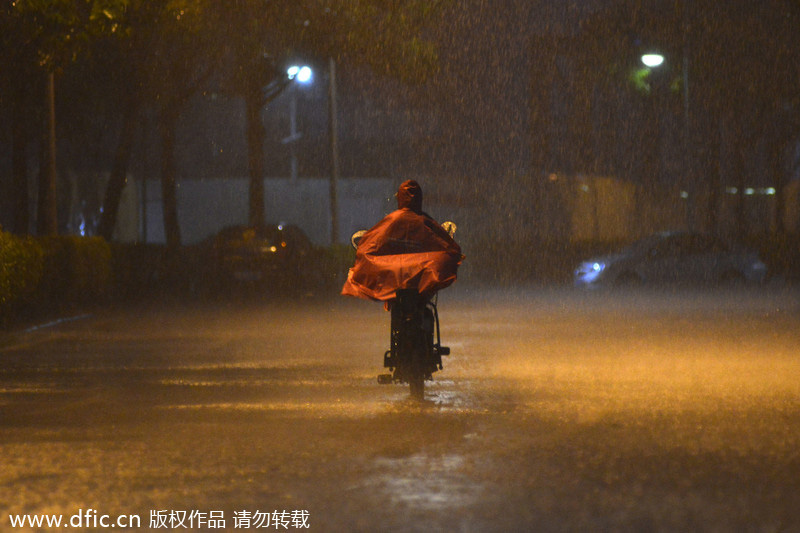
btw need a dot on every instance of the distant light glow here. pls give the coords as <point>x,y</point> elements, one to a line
<point>684,195</point>
<point>589,272</point>
<point>750,191</point>
<point>301,74</point>
<point>652,60</point>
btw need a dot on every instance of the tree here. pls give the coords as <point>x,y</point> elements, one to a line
<point>255,73</point>
<point>119,56</point>
<point>729,70</point>
<point>179,59</point>
<point>159,52</point>
<point>39,39</point>
<point>261,36</point>
<point>19,62</point>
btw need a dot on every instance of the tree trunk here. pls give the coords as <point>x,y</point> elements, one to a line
<point>47,215</point>
<point>255,156</point>
<point>119,174</point>
<point>19,174</point>
<point>169,198</point>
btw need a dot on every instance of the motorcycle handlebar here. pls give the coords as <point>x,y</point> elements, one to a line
<point>356,237</point>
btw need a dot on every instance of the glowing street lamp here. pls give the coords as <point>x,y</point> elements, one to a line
<point>301,74</point>
<point>652,60</point>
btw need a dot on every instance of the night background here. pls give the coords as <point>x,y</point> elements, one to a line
<point>176,211</point>
<point>515,93</point>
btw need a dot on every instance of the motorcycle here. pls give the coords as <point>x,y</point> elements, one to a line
<point>415,348</point>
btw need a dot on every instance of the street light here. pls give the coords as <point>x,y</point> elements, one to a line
<point>299,74</point>
<point>652,60</point>
<point>655,60</point>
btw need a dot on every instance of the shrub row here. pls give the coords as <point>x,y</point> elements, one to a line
<point>21,268</point>
<point>50,272</point>
<point>45,275</point>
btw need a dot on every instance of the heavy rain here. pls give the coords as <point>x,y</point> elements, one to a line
<point>179,183</point>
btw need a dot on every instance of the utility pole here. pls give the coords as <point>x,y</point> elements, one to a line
<point>688,149</point>
<point>334,149</point>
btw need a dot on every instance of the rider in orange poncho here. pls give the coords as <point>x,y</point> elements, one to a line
<point>407,249</point>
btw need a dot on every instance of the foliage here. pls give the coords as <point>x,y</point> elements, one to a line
<point>60,29</point>
<point>76,269</point>
<point>739,55</point>
<point>21,267</point>
<point>50,272</point>
<point>261,35</point>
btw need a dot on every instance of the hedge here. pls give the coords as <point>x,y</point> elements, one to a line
<point>43,275</point>
<point>76,269</point>
<point>50,272</point>
<point>21,269</point>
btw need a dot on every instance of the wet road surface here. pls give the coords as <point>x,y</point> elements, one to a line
<point>558,410</point>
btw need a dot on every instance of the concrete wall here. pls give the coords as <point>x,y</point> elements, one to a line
<point>599,208</point>
<point>206,206</point>
<point>570,208</point>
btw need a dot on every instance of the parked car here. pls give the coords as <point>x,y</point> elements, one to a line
<point>673,257</point>
<point>275,254</point>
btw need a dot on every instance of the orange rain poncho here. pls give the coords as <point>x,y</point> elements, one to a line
<point>407,249</point>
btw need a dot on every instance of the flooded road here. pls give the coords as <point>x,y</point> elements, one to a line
<point>558,410</point>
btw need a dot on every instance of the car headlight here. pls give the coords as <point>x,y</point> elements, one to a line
<point>590,267</point>
<point>589,271</point>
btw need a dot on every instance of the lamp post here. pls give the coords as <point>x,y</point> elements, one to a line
<point>303,76</point>
<point>655,60</point>
<point>334,148</point>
